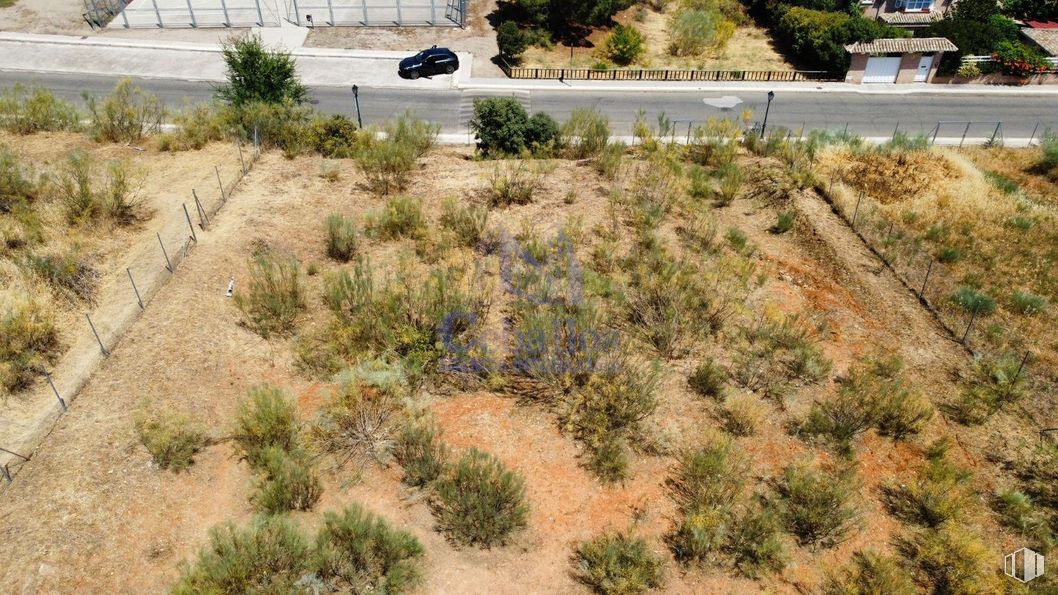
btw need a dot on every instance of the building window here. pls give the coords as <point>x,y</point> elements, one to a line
<point>915,5</point>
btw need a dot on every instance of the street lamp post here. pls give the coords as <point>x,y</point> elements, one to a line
<point>356,99</point>
<point>767,108</point>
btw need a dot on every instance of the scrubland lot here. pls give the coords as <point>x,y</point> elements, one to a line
<point>604,368</point>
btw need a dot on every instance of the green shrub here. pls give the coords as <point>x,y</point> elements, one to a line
<point>941,493</point>
<point>542,135</point>
<point>195,127</point>
<point>499,124</point>
<point>693,31</point>
<point>668,307</point>
<point>89,193</point>
<point>618,564</point>
<point>737,239</point>
<point>611,406</point>
<point>357,423</point>
<point>401,218</point>
<point>25,111</point>
<point>870,574</point>
<point>513,183</point>
<point>783,224</point>
<point>708,379</point>
<point>335,137</point>
<point>468,222</point>
<point>818,37</point>
<point>705,486</point>
<point>288,482</point>
<point>341,237</point>
<point>28,340</point>
<point>742,415</point>
<point>479,502</point>
<point>511,40</point>
<point>700,186</point>
<point>16,189</point>
<point>1027,303</point>
<point>1048,161</point>
<point>256,74</point>
<point>269,556</point>
<point>361,553</point>
<point>624,44</point>
<point>1018,511</point>
<point>610,159</point>
<point>422,456</point>
<point>68,274</point>
<point>1039,472</point>
<point>171,439</point>
<point>274,299</point>
<point>872,394</point>
<point>731,180</point>
<point>953,559</point>
<point>973,300</point>
<point>126,115</point>
<point>995,382</point>
<point>386,164</point>
<point>777,352</point>
<point>815,506</point>
<point>948,254</point>
<point>267,419</point>
<point>586,133</point>
<point>755,542</point>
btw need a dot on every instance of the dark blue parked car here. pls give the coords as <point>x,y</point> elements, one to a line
<point>428,63</point>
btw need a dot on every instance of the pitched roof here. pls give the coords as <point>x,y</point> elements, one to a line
<point>1045,38</point>
<point>910,18</point>
<point>902,46</point>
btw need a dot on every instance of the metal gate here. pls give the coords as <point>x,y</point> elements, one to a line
<point>269,13</point>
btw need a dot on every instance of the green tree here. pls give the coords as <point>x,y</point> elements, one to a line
<point>511,40</point>
<point>624,44</point>
<point>499,123</point>
<point>256,74</point>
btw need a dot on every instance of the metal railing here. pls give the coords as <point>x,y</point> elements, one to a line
<point>264,13</point>
<point>989,60</point>
<point>657,74</point>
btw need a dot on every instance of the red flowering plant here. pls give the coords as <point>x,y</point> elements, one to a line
<point>1018,59</point>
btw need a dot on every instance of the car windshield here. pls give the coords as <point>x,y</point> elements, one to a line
<point>421,56</point>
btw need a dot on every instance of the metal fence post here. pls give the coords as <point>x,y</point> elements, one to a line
<point>936,131</point>
<point>203,220</point>
<point>124,17</point>
<point>134,288</point>
<point>191,11</point>
<point>158,14</point>
<point>433,12</point>
<point>242,162</point>
<point>973,316</point>
<point>51,383</point>
<point>856,212</point>
<point>260,17</point>
<point>96,333</point>
<point>168,263</point>
<point>964,133</point>
<point>400,14</point>
<point>191,227</point>
<point>221,184</point>
<point>224,7</point>
<point>297,13</point>
<point>1033,135</point>
<point>330,10</point>
<point>363,3</point>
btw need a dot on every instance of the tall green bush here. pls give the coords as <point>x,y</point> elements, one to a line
<point>479,501</point>
<point>362,553</point>
<point>126,115</point>
<point>618,564</point>
<point>624,45</point>
<point>256,74</point>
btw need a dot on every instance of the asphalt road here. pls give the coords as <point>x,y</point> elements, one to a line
<point>867,115</point>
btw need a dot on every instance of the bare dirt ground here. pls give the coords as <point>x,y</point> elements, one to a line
<point>90,513</point>
<point>749,48</point>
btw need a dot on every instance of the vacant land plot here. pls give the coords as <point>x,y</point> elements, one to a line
<point>671,364</point>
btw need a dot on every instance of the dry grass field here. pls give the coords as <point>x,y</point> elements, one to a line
<point>683,346</point>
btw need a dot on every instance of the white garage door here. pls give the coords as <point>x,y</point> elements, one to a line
<point>881,70</point>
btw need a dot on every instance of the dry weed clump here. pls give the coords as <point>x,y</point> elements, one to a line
<point>869,572</point>
<point>342,242</point>
<point>420,453</point>
<point>513,183</point>
<point>618,563</point>
<point>777,351</point>
<point>171,439</point>
<point>275,299</point>
<point>126,115</point>
<point>401,217</point>
<point>29,339</point>
<point>91,192</point>
<point>942,493</point>
<point>36,109</point>
<point>816,506</point>
<point>358,423</point>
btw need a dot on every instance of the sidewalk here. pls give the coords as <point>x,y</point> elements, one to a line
<point>200,62</point>
<point>339,67</point>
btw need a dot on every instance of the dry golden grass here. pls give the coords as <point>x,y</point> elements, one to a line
<point>941,205</point>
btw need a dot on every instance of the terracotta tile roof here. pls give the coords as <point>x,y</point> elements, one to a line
<point>1045,38</point>
<point>902,46</point>
<point>910,18</point>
